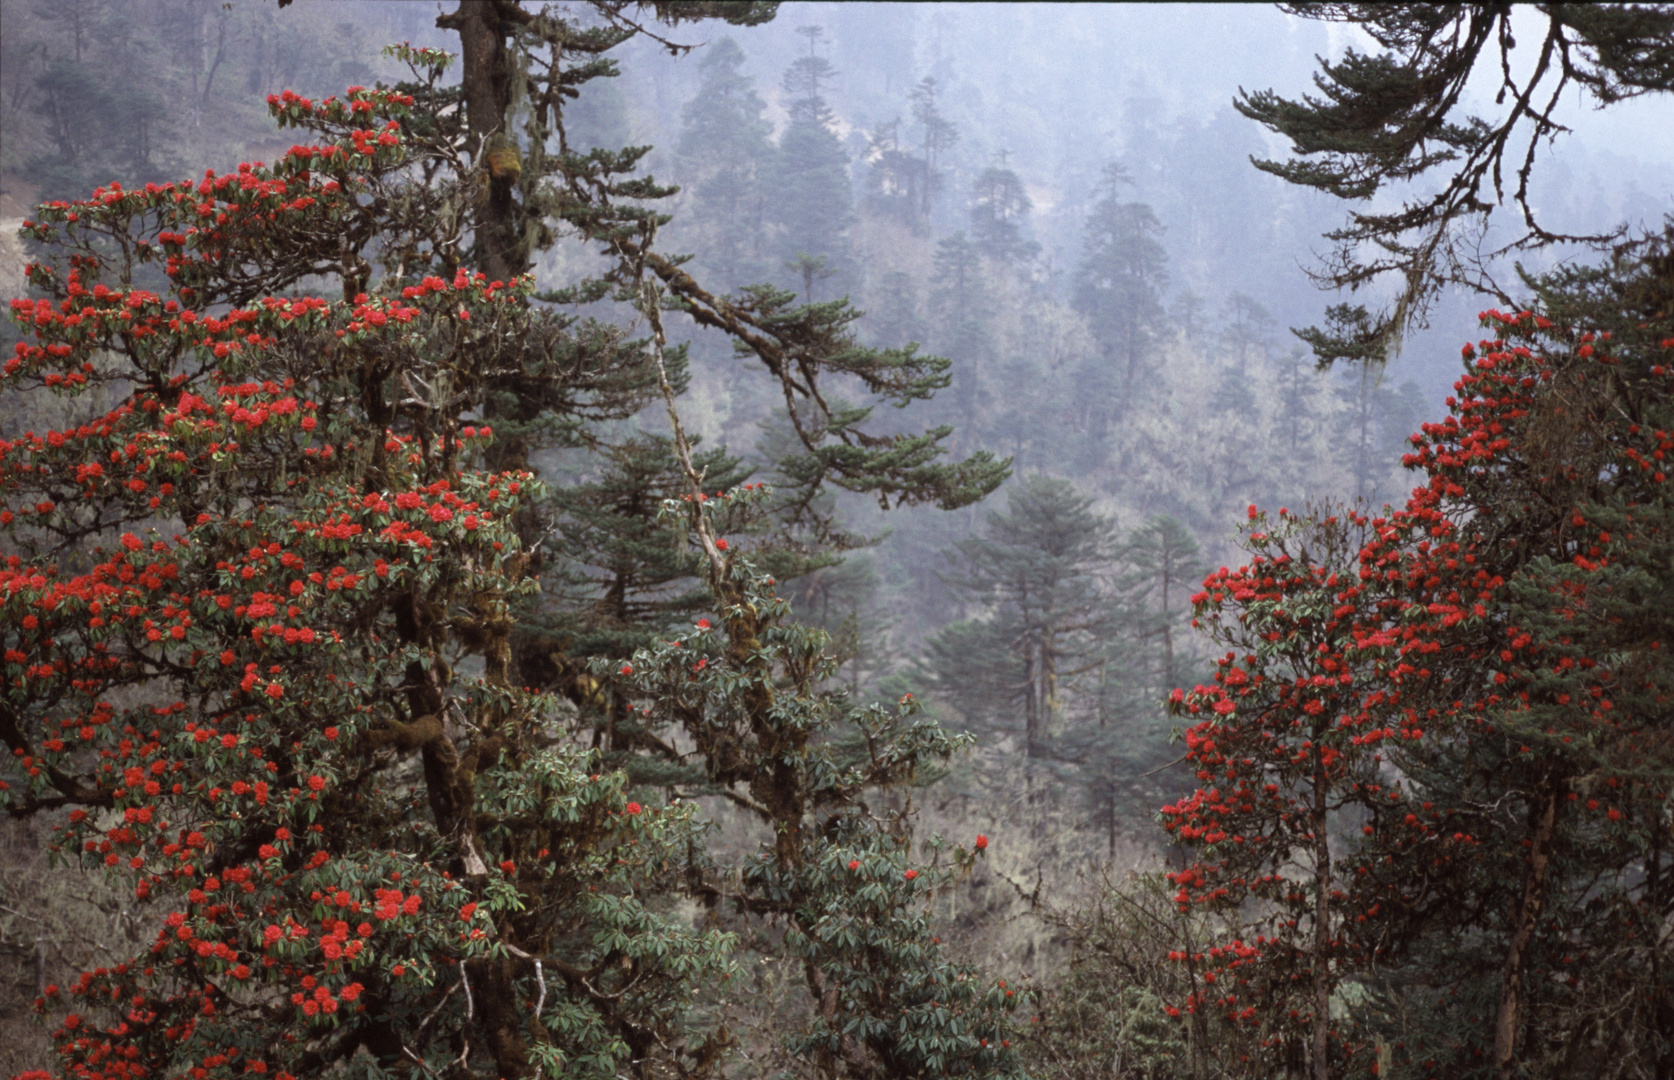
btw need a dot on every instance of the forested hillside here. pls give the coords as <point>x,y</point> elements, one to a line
<point>747,539</point>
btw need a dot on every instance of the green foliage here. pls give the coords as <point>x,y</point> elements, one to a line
<point>316,710</point>
<point>810,202</point>
<point>1119,290</point>
<point>1393,118</point>
<point>1036,576</point>
<point>999,213</point>
<point>747,694</point>
<point>726,151</point>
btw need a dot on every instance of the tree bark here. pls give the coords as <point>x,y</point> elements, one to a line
<point>1322,922</point>
<point>1529,908</point>
<point>486,83</point>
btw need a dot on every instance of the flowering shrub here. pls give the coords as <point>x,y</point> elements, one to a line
<point>256,609</point>
<point>1439,753</point>
<point>261,640</point>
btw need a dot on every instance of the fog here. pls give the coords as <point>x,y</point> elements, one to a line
<point>1059,199</point>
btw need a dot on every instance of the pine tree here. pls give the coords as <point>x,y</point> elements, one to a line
<point>895,317</point>
<point>1037,578</point>
<point>901,184</point>
<point>619,578</point>
<point>1119,738</point>
<point>999,212</point>
<point>1247,329</point>
<point>811,202</point>
<point>1246,336</point>
<point>1118,289</point>
<point>1298,384</point>
<point>1394,117</point>
<point>960,305</point>
<point>893,176</point>
<point>1187,314</point>
<point>726,154</point>
<point>1164,568</point>
<point>1375,420</point>
<point>350,530</point>
<point>937,135</point>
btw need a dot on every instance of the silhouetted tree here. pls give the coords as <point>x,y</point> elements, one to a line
<point>999,210</point>
<point>811,201</point>
<point>937,135</point>
<point>726,156</point>
<point>1395,117</point>
<point>1119,290</point>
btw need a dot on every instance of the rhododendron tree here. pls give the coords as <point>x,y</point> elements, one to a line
<point>260,605</point>
<point>1488,676</point>
<point>236,596</point>
<point>1533,581</point>
<point>842,881</point>
<point>1283,765</point>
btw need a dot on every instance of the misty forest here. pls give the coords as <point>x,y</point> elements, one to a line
<point>729,540</point>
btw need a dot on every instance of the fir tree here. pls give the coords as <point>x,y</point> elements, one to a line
<point>1164,569</point>
<point>1375,420</point>
<point>811,202</point>
<point>727,154</point>
<point>960,312</point>
<point>893,176</point>
<point>1298,387</point>
<point>937,135</point>
<point>1038,578</point>
<point>1186,312</point>
<point>895,317</point>
<point>1396,116</point>
<point>999,211</point>
<point>618,580</point>
<point>1246,336</point>
<point>1119,290</point>
<point>1246,329</point>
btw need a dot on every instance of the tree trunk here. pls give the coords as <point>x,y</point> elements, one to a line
<point>1037,716</point>
<point>486,83</point>
<point>1507,1021</point>
<point>1664,1001</point>
<point>1322,922</point>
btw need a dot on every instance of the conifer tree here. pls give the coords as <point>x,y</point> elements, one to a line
<point>1163,568</point>
<point>726,151</point>
<point>895,317</point>
<point>1396,116</point>
<point>1038,579</point>
<point>960,308</point>
<point>902,184</point>
<point>1187,312</point>
<point>618,580</point>
<point>320,698</point>
<point>811,202</point>
<point>1374,421</point>
<point>999,212</point>
<point>937,135</point>
<point>893,176</point>
<point>1247,328</point>
<point>1118,289</point>
<point>1298,387</point>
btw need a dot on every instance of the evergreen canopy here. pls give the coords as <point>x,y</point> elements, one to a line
<point>1395,117</point>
